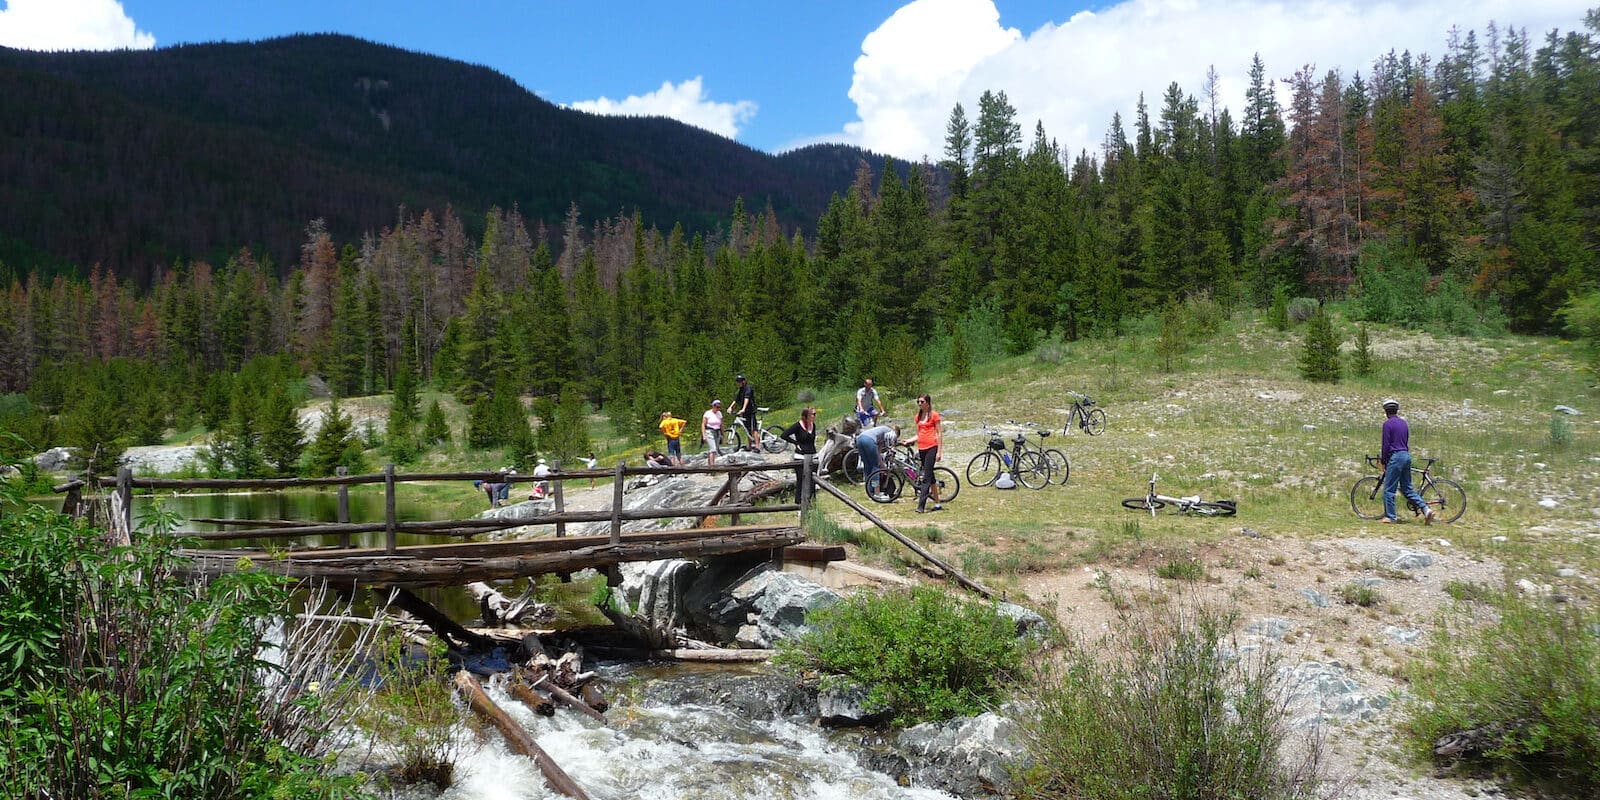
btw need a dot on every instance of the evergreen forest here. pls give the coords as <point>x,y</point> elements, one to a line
<point>1459,193</point>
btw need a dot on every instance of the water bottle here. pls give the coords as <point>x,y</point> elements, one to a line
<point>1005,458</point>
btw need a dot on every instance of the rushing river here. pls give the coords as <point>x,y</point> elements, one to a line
<point>660,747</point>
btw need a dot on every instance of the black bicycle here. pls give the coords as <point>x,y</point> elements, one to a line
<point>1060,467</point>
<point>1026,467</point>
<point>1090,420</point>
<point>1443,496</point>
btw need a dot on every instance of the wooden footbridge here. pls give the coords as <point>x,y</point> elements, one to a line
<point>397,564</point>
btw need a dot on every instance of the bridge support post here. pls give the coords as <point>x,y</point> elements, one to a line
<point>733,496</point>
<point>616,505</point>
<point>802,488</point>
<point>561,505</point>
<point>388,508</point>
<point>344,506</point>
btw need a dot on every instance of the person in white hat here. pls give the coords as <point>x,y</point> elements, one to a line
<point>1396,459</point>
<point>541,487</point>
<point>711,431</point>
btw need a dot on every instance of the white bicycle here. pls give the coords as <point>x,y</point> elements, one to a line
<point>1154,502</point>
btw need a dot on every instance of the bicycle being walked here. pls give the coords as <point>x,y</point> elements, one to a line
<point>1025,467</point>
<point>737,434</point>
<point>900,469</point>
<point>1441,499</point>
<point>1090,420</point>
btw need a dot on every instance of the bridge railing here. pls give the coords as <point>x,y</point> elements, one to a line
<point>731,503</point>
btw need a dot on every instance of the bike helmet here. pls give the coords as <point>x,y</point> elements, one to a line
<point>1391,404</point>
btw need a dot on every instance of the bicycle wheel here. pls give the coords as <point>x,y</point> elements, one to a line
<point>1143,504</point>
<point>1094,423</point>
<point>1446,498</point>
<point>1216,508</point>
<point>772,439</point>
<point>852,467</point>
<point>885,485</point>
<point>983,468</point>
<point>946,484</point>
<point>1060,468</point>
<point>1033,471</point>
<point>1366,498</point>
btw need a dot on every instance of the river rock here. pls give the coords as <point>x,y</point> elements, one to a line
<point>1569,411</point>
<point>967,756</point>
<point>146,460</point>
<point>779,602</point>
<point>1409,559</point>
<point>53,460</point>
<point>762,695</point>
<point>1029,623</point>
<point>1315,597</point>
<point>1319,692</point>
<point>655,589</point>
<point>844,703</point>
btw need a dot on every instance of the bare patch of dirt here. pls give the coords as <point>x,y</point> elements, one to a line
<point>1312,586</point>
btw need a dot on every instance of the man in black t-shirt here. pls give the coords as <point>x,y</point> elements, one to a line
<point>744,407</point>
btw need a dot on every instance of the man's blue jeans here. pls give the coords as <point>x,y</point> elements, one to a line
<point>1398,475</point>
<point>867,447</point>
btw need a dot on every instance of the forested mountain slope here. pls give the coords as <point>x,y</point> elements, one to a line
<point>133,159</point>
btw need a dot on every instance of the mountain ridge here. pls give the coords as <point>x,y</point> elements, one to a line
<point>195,150</point>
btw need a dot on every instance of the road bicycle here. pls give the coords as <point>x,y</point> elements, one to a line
<point>1028,468</point>
<point>1444,496</point>
<point>736,435</point>
<point>901,468</point>
<point>1060,467</point>
<point>1154,502</point>
<point>1090,420</point>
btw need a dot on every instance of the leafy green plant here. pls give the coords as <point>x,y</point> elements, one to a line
<point>1518,697</point>
<point>1357,594</point>
<point>413,709</point>
<point>1319,360</point>
<point>119,675</point>
<point>1187,568</point>
<point>924,653</point>
<point>1560,431</point>
<point>1160,708</point>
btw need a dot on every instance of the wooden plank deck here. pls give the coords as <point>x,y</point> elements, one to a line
<point>456,564</point>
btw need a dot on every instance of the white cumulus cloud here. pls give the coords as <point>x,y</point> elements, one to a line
<point>70,25</point>
<point>1072,75</point>
<point>686,102</point>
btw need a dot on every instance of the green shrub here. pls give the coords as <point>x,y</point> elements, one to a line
<point>924,653</point>
<point>119,677</point>
<point>1356,594</point>
<point>1278,314</point>
<point>413,709</point>
<point>1361,360</point>
<point>1205,315</point>
<point>1302,309</point>
<point>1161,709</point>
<point>1518,697</point>
<point>1186,568</point>
<point>1319,361</point>
<point>1173,340</point>
<point>1560,431</point>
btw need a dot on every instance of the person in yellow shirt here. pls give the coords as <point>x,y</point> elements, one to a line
<point>672,428</point>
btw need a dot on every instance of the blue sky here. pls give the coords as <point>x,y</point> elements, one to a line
<point>883,74</point>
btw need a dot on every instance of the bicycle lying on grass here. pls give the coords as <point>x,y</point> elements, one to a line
<point>1091,420</point>
<point>1154,502</point>
<point>1026,467</point>
<point>900,470</point>
<point>1444,496</point>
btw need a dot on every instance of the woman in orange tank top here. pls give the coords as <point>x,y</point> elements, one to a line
<point>930,449</point>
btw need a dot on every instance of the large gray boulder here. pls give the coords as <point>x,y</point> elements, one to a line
<point>756,608</point>
<point>53,460</point>
<point>845,703</point>
<point>967,756</point>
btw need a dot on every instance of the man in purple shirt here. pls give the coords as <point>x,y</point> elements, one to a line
<point>1396,460</point>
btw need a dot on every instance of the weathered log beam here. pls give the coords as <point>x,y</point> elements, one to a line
<point>719,656</point>
<point>500,548</point>
<point>540,704</point>
<point>439,622</point>
<point>377,477</point>
<point>567,697</point>
<point>914,547</point>
<point>517,737</point>
<point>471,527</point>
<point>406,570</point>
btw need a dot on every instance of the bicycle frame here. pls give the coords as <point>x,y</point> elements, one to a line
<point>1154,501</point>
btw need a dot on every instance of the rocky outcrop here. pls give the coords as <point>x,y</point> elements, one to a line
<point>966,756</point>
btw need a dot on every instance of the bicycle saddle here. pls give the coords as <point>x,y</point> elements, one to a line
<point>1043,434</point>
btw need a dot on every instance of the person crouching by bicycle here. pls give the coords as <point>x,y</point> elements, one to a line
<point>868,406</point>
<point>711,431</point>
<point>869,443</point>
<point>930,449</point>
<point>1396,460</point>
